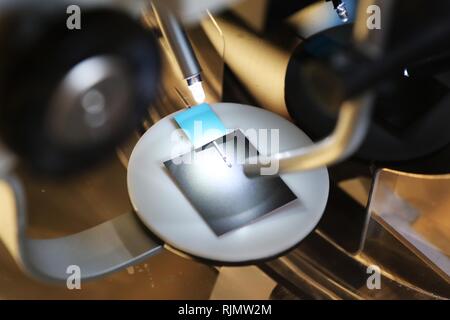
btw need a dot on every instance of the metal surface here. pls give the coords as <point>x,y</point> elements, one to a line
<point>259,65</point>
<point>353,122</point>
<point>320,270</point>
<point>402,236</point>
<point>415,209</point>
<point>90,102</point>
<point>222,194</point>
<point>106,248</point>
<point>177,39</point>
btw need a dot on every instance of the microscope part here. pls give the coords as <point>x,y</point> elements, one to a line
<point>181,47</point>
<point>225,197</point>
<point>200,124</point>
<point>75,108</point>
<point>196,87</point>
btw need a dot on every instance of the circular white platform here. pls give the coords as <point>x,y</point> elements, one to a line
<point>165,210</point>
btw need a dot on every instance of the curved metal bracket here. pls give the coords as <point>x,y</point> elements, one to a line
<point>350,131</point>
<point>98,251</point>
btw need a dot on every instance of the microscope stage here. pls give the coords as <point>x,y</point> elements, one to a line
<point>168,213</point>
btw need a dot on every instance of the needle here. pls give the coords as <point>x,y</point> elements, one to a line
<point>220,151</point>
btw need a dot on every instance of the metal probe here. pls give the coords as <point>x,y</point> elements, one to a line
<point>182,49</point>
<point>341,9</point>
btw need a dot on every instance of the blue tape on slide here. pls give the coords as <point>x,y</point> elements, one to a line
<point>201,124</point>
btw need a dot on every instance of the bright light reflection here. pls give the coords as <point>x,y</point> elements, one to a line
<point>197,92</point>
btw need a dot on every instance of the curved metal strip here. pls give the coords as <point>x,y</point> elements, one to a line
<point>350,131</point>
<point>98,251</point>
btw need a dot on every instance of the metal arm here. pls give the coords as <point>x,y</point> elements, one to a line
<point>101,250</point>
<point>352,125</point>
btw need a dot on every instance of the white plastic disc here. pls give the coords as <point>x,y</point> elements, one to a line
<point>166,211</point>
